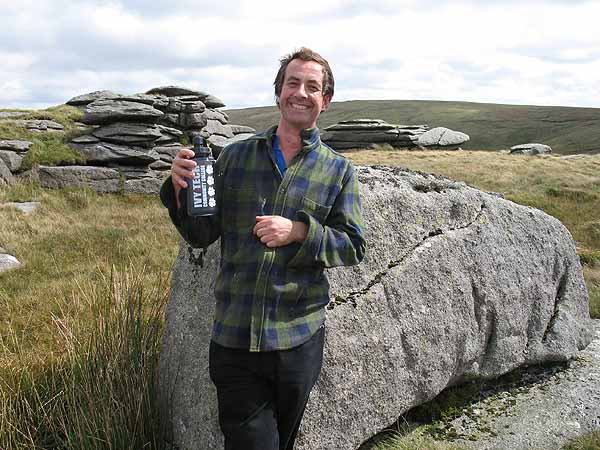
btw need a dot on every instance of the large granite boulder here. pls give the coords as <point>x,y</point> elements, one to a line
<point>457,284</point>
<point>530,149</point>
<point>442,138</point>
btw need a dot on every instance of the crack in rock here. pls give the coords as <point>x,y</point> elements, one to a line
<point>352,296</point>
<point>557,302</point>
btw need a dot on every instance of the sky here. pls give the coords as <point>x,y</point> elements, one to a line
<point>533,52</point>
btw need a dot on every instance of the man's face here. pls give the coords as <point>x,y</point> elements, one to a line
<point>301,99</point>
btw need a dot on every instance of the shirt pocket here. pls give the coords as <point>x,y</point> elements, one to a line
<point>318,211</point>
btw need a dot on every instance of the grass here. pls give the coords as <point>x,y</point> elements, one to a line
<point>48,149</point>
<point>81,321</point>
<point>73,236</point>
<point>97,389</point>
<point>490,126</point>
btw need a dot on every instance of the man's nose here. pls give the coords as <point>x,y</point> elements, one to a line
<point>301,92</point>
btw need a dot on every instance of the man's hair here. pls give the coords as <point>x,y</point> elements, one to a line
<point>304,54</point>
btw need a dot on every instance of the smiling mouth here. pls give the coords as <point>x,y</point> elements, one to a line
<point>299,107</point>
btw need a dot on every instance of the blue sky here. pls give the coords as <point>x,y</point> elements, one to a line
<point>539,52</point>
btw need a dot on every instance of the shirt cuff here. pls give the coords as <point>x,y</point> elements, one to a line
<point>309,249</point>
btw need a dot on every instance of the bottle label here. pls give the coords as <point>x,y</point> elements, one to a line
<point>203,187</point>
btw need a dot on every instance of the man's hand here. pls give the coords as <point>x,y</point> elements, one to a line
<point>277,231</point>
<point>182,168</point>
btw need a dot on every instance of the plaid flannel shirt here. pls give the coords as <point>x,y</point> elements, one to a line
<point>275,298</point>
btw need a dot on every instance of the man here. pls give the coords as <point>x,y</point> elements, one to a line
<point>288,208</point>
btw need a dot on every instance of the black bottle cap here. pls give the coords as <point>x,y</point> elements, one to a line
<point>200,149</point>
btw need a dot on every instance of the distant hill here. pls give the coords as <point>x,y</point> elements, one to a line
<point>491,126</point>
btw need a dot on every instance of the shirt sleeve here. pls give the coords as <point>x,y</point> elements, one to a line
<point>199,232</point>
<point>339,241</point>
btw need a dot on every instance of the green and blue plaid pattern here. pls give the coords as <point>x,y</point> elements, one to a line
<point>275,298</point>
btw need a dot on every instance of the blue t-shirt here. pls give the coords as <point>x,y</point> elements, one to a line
<point>278,155</point>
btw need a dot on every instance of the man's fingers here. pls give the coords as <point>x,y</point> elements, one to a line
<point>186,153</point>
<point>263,218</point>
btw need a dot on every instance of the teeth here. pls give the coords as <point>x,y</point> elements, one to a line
<point>298,106</point>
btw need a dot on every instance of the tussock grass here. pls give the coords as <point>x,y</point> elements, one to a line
<point>51,150</point>
<point>96,390</point>
<point>568,189</point>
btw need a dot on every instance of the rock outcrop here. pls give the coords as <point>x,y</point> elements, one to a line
<point>367,133</point>
<point>40,125</point>
<point>442,138</point>
<point>530,149</point>
<point>474,286</point>
<point>131,140</point>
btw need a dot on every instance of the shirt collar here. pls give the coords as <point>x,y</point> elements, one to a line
<point>311,138</point>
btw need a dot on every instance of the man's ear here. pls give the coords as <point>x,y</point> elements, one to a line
<point>326,101</point>
<point>277,101</point>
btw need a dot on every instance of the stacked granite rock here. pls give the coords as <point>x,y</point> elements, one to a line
<point>368,133</point>
<point>11,158</point>
<point>530,149</point>
<point>134,138</point>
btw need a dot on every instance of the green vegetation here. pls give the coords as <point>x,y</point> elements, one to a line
<point>51,150</point>
<point>490,126</point>
<point>48,148</point>
<point>81,321</point>
<point>97,389</point>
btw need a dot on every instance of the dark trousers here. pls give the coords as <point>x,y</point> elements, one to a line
<point>262,395</point>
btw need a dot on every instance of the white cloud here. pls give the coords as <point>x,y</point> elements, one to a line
<point>528,52</point>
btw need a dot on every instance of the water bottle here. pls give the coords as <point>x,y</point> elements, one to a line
<point>201,194</point>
